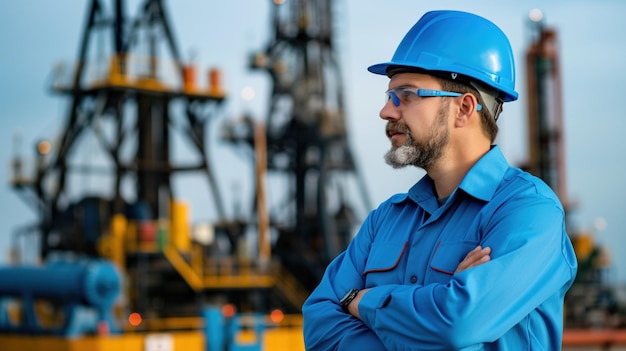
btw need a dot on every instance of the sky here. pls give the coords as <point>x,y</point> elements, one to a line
<point>37,35</point>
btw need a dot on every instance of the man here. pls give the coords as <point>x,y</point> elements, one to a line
<point>475,256</point>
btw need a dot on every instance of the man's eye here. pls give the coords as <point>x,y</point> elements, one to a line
<point>405,94</point>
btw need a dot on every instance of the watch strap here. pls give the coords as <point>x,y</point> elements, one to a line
<point>347,298</point>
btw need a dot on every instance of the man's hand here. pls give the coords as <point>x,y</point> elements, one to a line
<point>474,258</point>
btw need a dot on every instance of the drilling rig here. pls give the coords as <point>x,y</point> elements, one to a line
<point>121,263</point>
<point>590,303</point>
<point>307,140</point>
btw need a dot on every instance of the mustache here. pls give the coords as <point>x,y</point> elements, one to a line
<point>397,127</point>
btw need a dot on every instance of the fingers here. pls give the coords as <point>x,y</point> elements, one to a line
<point>474,258</point>
<point>478,253</point>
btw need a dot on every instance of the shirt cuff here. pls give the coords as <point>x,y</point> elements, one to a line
<point>373,300</point>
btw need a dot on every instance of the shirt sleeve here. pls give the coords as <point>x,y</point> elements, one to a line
<point>532,261</point>
<point>326,326</point>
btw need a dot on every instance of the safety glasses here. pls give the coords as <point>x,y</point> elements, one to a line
<point>405,94</point>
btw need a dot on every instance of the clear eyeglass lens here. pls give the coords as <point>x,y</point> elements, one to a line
<point>391,95</point>
<point>399,95</point>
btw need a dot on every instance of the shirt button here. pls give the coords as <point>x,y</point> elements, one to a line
<point>413,279</point>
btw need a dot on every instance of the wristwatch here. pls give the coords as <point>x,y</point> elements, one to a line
<point>347,298</point>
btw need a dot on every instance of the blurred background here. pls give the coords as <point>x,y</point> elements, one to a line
<point>264,144</point>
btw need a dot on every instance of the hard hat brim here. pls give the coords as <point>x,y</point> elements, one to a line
<point>383,69</point>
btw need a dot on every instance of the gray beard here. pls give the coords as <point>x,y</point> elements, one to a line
<point>402,156</point>
<point>417,154</point>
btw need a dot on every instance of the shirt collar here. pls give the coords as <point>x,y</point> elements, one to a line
<point>481,181</point>
<point>485,176</point>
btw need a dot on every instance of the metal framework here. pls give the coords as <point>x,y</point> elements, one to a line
<point>545,112</point>
<point>130,107</point>
<point>131,95</point>
<point>307,139</point>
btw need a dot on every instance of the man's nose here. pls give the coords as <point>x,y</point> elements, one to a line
<point>389,112</point>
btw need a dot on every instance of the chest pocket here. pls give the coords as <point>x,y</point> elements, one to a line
<point>446,258</point>
<point>382,263</point>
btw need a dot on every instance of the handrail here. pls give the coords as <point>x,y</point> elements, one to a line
<point>594,337</point>
<point>290,287</point>
<point>183,268</point>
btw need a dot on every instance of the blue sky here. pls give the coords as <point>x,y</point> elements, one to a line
<point>36,35</point>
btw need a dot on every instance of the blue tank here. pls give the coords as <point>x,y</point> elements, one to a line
<point>87,289</point>
<point>91,283</point>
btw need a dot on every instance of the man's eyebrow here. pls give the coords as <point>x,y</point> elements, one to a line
<point>405,86</point>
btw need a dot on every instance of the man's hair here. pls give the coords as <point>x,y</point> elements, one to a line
<point>490,127</point>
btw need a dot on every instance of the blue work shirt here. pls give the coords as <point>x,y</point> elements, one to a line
<point>407,251</point>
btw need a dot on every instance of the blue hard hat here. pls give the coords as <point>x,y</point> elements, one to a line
<point>459,43</point>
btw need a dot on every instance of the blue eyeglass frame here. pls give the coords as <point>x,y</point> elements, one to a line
<point>391,94</point>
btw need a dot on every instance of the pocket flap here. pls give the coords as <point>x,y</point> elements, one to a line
<point>384,257</point>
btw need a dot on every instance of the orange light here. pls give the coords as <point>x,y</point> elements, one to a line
<point>228,310</point>
<point>277,316</point>
<point>44,147</point>
<point>134,319</point>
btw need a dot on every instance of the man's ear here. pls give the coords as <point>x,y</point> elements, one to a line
<point>467,106</point>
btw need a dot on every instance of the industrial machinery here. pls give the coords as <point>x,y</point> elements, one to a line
<point>122,265</point>
<point>85,290</point>
<point>590,303</point>
<point>307,141</point>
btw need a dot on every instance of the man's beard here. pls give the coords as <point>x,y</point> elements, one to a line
<point>415,153</point>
